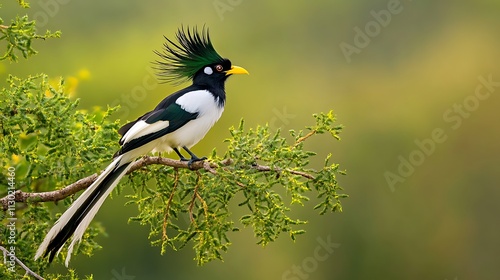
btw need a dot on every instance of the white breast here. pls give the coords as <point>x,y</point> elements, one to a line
<point>209,111</point>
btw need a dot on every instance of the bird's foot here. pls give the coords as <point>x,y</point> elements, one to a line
<point>195,159</point>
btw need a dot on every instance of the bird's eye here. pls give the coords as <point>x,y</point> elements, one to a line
<point>218,67</point>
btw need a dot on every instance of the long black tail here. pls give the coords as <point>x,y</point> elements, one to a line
<point>78,217</point>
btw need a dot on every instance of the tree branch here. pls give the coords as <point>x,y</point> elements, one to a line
<point>18,261</point>
<point>20,196</point>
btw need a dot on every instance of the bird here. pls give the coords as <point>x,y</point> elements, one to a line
<point>178,122</point>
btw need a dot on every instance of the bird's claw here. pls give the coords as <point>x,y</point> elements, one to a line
<point>195,159</point>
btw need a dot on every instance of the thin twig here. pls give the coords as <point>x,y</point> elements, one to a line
<point>18,261</point>
<point>191,204</point>
<point>304,138</point>
<point>203,202</point>
<point>295,172</point>
<point>167,209</point>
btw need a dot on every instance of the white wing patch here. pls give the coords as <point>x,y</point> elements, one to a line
<point>142,128</point>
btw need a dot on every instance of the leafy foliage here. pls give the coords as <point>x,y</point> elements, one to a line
<point>180,205</point>
<point>19,35</point>
<point>50,144</point>
<point>46,137</point>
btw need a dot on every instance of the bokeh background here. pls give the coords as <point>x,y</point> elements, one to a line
<point>404,78</point>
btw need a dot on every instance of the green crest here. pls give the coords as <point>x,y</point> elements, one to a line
<point>180,61</point>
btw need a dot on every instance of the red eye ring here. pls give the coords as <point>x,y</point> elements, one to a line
<point>219,67</point>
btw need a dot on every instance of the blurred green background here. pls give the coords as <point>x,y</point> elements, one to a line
<point>394,84</point>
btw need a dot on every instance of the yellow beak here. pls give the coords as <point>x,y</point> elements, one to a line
<point>236,70</point>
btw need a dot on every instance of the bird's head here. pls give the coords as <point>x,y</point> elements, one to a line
<point>194,58</point>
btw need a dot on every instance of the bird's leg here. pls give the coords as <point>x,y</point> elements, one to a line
<point>182,158</point>
<point>194,158</point>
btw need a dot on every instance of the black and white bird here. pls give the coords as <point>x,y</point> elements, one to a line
<point>179,121</point>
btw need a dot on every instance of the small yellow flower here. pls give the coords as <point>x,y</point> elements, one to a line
<point>70,85</point>
<point>16,159</point>
<point>83,74</point>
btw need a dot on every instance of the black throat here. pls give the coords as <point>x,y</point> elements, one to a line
<point>214,85</point>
